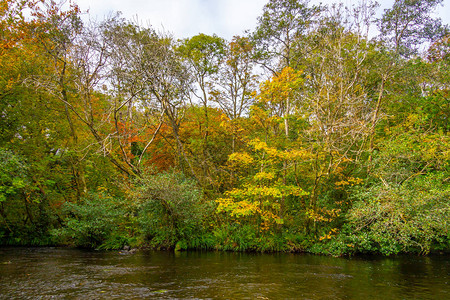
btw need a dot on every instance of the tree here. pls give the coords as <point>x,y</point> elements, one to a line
<point>282,24</point>
<point>236,81</point>
<point>409,23</point>
<point>204,55</point>
<point>405,207</point>
<point>281,27</point>
<point>34,128</point>
<point>155,73</point>
<point>259,200</point>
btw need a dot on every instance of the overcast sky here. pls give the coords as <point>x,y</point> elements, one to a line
<point>185,18</point>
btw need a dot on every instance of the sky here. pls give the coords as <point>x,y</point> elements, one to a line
<point>186,18</point>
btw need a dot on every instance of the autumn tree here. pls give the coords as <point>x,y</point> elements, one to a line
<point>236,81</point>
<point>154,77</point>
<point>204,55</point>
<point>34,131</point>
<point>280,28</point>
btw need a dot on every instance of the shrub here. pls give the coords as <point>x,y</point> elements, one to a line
<point>171,211</point>
<point>99,221</point>
<point>411,217</point>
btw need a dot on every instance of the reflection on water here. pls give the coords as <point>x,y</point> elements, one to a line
<point>70,273</point>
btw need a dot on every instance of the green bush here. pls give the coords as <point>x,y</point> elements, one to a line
<point>13,174</point>
<point>99,221</point>
<point>411,217</point>
<point>25,214</point>
<point>171,211</point>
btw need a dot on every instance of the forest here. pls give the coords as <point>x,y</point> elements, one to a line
<point>324,130</point>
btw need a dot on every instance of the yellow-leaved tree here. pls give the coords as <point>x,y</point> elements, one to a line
<point>259,200</point>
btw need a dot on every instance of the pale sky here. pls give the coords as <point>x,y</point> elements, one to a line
<point>186,18</point>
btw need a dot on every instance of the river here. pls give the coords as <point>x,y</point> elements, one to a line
<point>55,273</point>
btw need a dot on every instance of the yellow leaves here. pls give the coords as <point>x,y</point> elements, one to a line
<point>346,159</point>
<point>264,176</point>
<point>236,209</point>
<point>282,155</point>
<point>11,83</point>
<point>325,237</point>
<point>227,125</point>
<point>295,154</point>
<point>259,203</point>
<point>264,191</point>
<point>260,198</point>
<point>102,189</point>
<point>293,190</point>
<point>329,234</point>
<point>412,119</point>
<point>351,181</point>
<point>255,192</point>
<point>247,208</point>
<point>281,86</point>
<point>279,155</point>
<point>311,214</point>
<point>257,144</point>
<point>224,121</point>
<point>323,215</point>
<point>241,158</point>
<point>245,159</point>
<point>279,221</point>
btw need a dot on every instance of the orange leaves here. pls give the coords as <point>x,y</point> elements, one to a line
<point>129,132</point>
<point>240,45</point>
<point>329,235</point>
<point>158,153</point>
<point>240,48</point>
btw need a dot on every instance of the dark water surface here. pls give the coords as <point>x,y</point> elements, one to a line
<point>54,273</point>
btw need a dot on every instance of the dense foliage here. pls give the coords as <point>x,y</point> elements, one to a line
<point>308,134</point>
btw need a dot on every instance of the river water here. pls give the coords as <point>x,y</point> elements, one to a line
<point>55,273</point>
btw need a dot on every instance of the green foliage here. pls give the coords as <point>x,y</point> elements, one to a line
<point>408,23</point>
<point>204,53</point>
<point>98,221</point>
<point>412,217</point>
<point>25,218</point>
<point>246,237</point>
<point>171,210</point>
<point>281,22</point>
<point>236,237</point>
<point>13,174</point>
